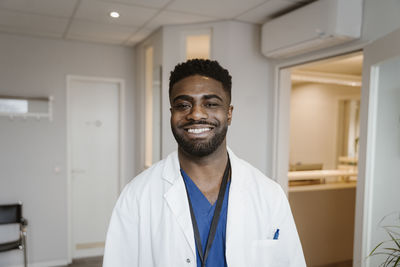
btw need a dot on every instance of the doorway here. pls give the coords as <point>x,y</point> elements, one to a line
<point>95,160</point>
<point>322,155</point>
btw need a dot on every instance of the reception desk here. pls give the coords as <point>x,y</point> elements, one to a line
<point>322,180</point>
<point>323,206</point>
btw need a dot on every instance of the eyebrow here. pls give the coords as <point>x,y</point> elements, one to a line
<point>189,98</point>
<point>182,97</point>
<point>212,96</point>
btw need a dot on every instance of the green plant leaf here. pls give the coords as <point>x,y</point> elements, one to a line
<point>391,226</point>
<point>382,253</point>
<point>391,250</point>
<point>397,261</point>
<point>389,260</point>
<point>394,239</point>
<point>388,229</point>
<point>392,257</point>
<point>370,254</point>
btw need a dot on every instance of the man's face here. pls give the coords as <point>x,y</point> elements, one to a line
<point>200,114</point>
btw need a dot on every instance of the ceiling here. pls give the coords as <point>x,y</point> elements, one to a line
<point>350,64</point>
<point>89,20</point>
<point>340,70</point>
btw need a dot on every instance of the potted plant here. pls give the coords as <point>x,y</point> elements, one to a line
<point>389,248</point>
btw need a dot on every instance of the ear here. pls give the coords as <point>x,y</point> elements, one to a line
<point>230,111</point>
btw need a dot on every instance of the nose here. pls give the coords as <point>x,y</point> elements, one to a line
<point>197,113</point>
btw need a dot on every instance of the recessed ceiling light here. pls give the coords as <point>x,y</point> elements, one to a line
<point>114,14</point>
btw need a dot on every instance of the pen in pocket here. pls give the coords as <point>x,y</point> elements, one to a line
<point>276,235</point>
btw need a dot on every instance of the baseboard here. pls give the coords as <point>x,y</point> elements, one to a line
<point>45,264</point>
<point>85,253</point>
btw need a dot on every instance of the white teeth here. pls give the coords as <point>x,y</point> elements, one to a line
<point>200,130</point>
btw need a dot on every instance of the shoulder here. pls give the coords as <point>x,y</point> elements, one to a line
<point>149,181</point>
<point>148,176</point>
<point>254,179</point>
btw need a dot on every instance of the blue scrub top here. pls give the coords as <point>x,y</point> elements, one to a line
<point>204,213</point>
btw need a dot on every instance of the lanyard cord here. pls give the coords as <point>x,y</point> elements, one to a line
<point>215,219</point>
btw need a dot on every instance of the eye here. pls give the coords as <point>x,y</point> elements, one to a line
<point>182,106</point>
<point>212,105</point>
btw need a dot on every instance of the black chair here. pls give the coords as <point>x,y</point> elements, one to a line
<point>10,214</point>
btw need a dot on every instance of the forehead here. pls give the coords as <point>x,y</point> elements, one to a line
<point>198,85</point>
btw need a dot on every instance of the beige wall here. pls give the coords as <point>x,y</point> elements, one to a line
<point>314,122</point>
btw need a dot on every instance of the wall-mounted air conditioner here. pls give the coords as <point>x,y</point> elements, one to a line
<point>318,25</point>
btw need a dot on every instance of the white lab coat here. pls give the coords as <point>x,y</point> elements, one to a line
<point>151,223</point>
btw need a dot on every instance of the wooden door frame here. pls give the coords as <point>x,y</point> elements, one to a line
<point>121,145</point>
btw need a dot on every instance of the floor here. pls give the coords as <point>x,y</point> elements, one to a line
<point>87,262</point>
<point>97,262</point>
<point>340,264</point>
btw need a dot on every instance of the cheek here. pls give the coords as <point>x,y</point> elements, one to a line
<point>223,118</point>
<point>175,119</point>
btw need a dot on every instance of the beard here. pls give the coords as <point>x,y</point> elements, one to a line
<point>201,148</point>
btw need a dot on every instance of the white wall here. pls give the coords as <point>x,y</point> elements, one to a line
<point>237,48</point>
<point>379,147</point>
<point>386,154</point>
<point>314,111</point>
<point>251,132</point>
<point>380,18</point>
<point>155,40</point>
<point>31,149</point>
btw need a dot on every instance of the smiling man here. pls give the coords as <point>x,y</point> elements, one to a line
<point>202,206</point>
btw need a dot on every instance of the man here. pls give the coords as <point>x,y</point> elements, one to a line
<point>202,205</point>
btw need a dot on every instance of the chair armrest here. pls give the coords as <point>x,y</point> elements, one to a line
<point>24,222</point>
<point>23,225</point>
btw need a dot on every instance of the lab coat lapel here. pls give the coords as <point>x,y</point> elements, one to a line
<point>236,217</point>
<point>176,198</point>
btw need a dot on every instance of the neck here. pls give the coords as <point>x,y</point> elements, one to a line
<point>215,161</point>
<point>206,172</point>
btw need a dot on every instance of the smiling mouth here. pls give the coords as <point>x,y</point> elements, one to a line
<point>198,130</point>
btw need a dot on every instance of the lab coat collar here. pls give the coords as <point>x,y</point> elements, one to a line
<point>171,171</point>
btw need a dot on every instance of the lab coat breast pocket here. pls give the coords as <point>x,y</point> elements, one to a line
<point>268,253</point>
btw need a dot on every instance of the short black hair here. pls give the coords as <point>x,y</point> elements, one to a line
<point>205,67</point>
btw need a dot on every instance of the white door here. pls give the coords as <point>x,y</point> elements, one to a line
<point>379,169</point>
<point>94,130</point>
